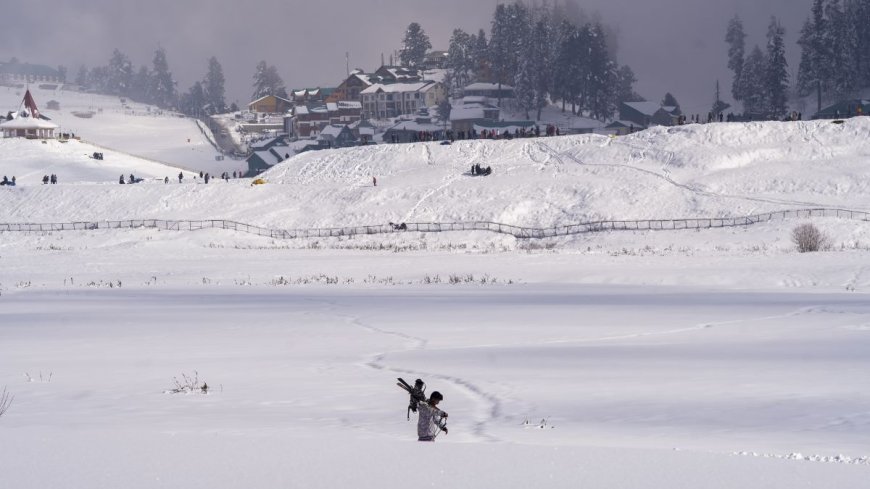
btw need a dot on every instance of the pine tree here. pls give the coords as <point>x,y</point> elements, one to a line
<point>260,84</point>
<point>480,57</point>
<point>98,78</point>
<point>807,76</point>
<point>625,80</point>
<point>193,101</point>
<point>736,39</point>
<point>141,85</point>
<point>754,83</point>
<point>601,81</point>
<point>843,41</point>
<point>162,86</point>
<point>815,68</point>
<point>499,46</point>
<point>82,76</point>
<point>213,86</point>
<point>776,84</point>
<point>670,101</point>
<point>524,85</point>
<point>565,75</point>
<point>267,81</point>
<point>511,26</point>
<point>542,59</point>
<point>120,74</point>
<point>460,64</point>
<point>276,82</point>
<point>859,12</point>
<point>415,45</point>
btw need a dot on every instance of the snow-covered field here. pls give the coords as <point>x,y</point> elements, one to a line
<point>691,359</point>
<point>129,127</point>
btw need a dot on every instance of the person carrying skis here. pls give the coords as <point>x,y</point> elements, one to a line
<point>431,419</point>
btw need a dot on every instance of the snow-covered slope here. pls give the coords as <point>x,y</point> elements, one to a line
<point>690,171</point>
<point>128,127</point>
<point>72,162</point>
<point>715,359</point>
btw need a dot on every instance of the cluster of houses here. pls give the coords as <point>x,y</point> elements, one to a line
<point>399,103</point>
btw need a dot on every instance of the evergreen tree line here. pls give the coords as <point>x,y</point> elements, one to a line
<point>761,79</point>
<point>835,49</point>
<point>835,58</point>
<point>155,85</point>
<point>548,54</point>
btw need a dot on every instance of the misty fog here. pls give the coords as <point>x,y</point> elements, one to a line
<point>672,45</point>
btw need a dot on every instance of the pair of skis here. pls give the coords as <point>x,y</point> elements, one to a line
<point>417,393</point>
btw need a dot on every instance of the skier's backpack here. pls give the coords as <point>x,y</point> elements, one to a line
<point>416,393</point>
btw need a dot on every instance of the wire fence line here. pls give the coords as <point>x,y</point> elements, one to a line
<point>434,227</point>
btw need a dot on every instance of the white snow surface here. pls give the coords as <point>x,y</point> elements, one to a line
<point>660,360</point>
<point>128,127</point>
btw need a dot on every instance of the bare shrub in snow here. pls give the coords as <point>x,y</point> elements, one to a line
<point>5,401</point>
<point>808,238</point>
<point>188,385</point>
<point>41,378</point>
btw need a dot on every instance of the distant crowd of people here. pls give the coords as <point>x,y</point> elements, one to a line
<point>130,179</point>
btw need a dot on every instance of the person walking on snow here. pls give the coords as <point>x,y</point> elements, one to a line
<point>431,419</point>
<point>374,181</point>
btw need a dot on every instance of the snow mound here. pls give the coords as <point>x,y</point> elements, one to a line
<point>714,170</point>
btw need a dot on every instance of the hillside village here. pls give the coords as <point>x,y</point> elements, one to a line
<point>544,71</point>
<point>604,288</point>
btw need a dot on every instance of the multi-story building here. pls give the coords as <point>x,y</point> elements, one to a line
<point>385,101</point>
<point>309,120</point>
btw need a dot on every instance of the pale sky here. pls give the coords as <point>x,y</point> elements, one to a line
<point>672,45</point>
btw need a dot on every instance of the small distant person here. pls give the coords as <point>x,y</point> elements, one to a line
<point>53,179</point>
<point>180,177</point>
<point>200,174</point>
<point>13,180</point>
<point>431,420</point>
<point>206,178</point>
<point>165,180</point>
<point>121,180</point>
<point>374,181</point>
<point>45,179</point>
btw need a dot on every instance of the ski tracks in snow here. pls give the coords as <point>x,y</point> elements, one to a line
<point>666,177</point>
<point>446,182</point>
<point>489,406</point>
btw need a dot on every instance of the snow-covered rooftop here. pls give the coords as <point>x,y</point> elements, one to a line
<point>28,123</point>
<point>468,113</point>
<point>404,87</point>
<point>648,108</point>
<point>488,86</point>
<point>332,131</point>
